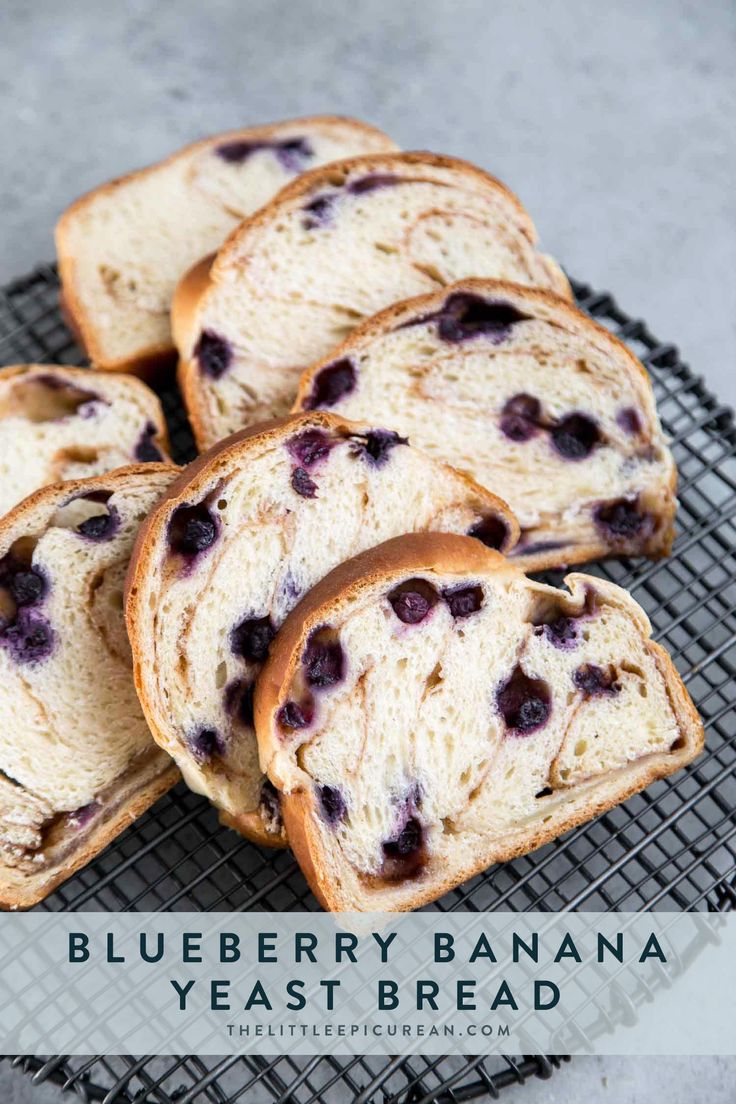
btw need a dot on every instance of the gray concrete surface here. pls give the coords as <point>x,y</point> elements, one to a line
<point>613,122</point>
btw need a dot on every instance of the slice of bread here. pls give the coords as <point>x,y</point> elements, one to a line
<point>334,247</point>
<point>471,715</point>
<point>529,396</point>
<point>123,247</point>
<point>77,763</point>
<point>239,537</point>
<point>70,423</point>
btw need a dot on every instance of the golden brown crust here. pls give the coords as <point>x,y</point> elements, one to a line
<point>151,360</point>
<point>189,485</point>
<point>445,554</point>
<point>19,890</point>
<point>198,281</point>
<point>251,826</point>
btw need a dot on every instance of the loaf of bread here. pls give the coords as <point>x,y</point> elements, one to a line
<point>123,247</point>
<point>70,423</point>
<point>334,247</point>
<point>528,395</point>
<point>427,711</point>
<point>77,763</point>
<point>240,536</point>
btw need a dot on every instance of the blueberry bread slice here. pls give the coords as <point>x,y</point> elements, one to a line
<point>427,711</point>
<point>77,763</point>
<point>70,423</point>
<point>123,247</point>
<point>240,536</point>
<point>532,398</point>
<point>334,247</point>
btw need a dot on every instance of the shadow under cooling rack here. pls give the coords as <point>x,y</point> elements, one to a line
<point>671,847</point>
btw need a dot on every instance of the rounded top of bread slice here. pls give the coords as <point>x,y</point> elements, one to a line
<point>334,247</point>
<point>58,422</point>
<point>123,246</point>
<point>473,714</point>
<point>530,396</point>
<point>245,530</point>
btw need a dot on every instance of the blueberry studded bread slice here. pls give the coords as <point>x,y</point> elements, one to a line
<point>240,536</point>
<point>70,423</point>
<point>77,762</point>
<point>334,247</point>
<point>427,711</point>
<point>532,398</point>
<point>123,247</point>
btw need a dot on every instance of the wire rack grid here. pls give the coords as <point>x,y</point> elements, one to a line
<point>673,846</point>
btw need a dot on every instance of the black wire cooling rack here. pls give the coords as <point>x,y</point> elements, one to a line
<point>672,847</point>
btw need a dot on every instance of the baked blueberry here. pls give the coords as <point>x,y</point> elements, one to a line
<point>594,681</point>
<point>463,600</point>
<point>324,662</point>
<point>405,854</point>
<point>309,447</point>
<point>239,701</point>
<point>465,316</point>
<point>562,632</point>
<point>332,804</point>
<point>490,530</point>
<point>629,420</point>
<point>214,354</point>
<point>269,806</point>
<point>291,153</point>
<point>521,417</point>
<point>331,384</point>
<point>575,436</point>
<point>303,484</point>
<point>205,743</point>
<point>27,587</point>
<point>378,443</point>
<point>295,715</point>
<point>524,703</point>
<point>82,816</point>
<point>252,637</point>
<point>192,530</point>
<point>28,638</point>
<point>100,527</point>
<point>412,601</point>
<point>147,451</point>
<point>372,182</point>
<point>621,520</point>
<point>318,211</point>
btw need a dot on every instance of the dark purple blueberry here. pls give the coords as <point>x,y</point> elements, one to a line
<point>331,384</point>
<point>535,547</point>
<point>524,703</point>
<point>575,436</point>
<point>332,804</point>
<point>147,451</point>
<point>464,600</point>
<point>413,600</point>
<point>214,354</point>
<point>594,681</point>
<point>27,587</point>
<point>324,662</point>
<point>303,484</point>
<point>465,316</point>
<point>546,791</point>
<point>561,632</point>
<point>28,638</point>
<point>239,701</point>
<point>290,152</point>
<point>269,807</point>
<point>205,743</point>
<point>378,443</point>
<point>100,527</point>
<point>252,638</point>
<point>318,210</point>
<point>310,447</point>
<point>82,816</point>
<point>521,417</point>
<point>620,519</point>
<point>372,182</point>
<point>295,715</point>
<point>490,530</point>
<point>629,420</point>
<point>405,854</point>
<point>192,530</point>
